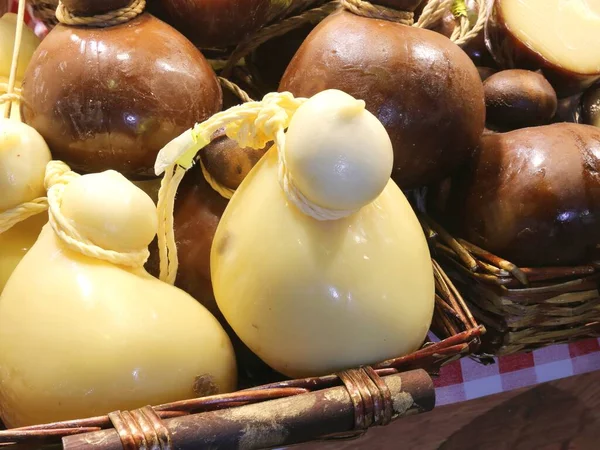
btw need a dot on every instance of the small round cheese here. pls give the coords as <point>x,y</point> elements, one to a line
<point>338,154</point>
<point>110,211</point>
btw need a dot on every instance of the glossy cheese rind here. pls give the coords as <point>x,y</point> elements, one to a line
<point>15,243</point>
<point>312,297</point>
<point>88,337</point>
<point>23,159</point>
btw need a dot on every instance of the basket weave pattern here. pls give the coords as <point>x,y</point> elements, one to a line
<point>521,308</point>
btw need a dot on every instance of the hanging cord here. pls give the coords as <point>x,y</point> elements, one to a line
<point>116,17</point>
<point>13,216</point>
<point>252,124</point>
<point>222,190</point>
<point>10,95</point>
<point>58,176</point>
<point>15,96</point>
<point>463,33</point>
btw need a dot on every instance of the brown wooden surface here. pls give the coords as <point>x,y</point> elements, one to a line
<point>560,415</point>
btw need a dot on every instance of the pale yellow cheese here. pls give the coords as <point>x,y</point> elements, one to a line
<point>15,242</point>
<point>330,169</point>
<point>564,32</point>
<point>110,211</point>
<point>23,158</point>
<point>29,43</point>
<point>312,297</point>
<point>81,337</point>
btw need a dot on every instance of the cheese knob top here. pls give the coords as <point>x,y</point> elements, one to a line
<point>110,211</point>
<point>338,154</point>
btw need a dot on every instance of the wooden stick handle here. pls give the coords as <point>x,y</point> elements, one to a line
<point>279,422</point>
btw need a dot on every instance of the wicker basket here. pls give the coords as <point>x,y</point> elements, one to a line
<point>285,411</point>
<point>521,308</point>
<point>280,412</point>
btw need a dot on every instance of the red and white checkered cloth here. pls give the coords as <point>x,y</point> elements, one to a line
<point>467,379</point>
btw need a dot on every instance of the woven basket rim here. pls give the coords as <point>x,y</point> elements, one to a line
<point>431,356</point>
<point>522,308</point>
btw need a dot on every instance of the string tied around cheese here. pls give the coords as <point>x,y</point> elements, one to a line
<point>24,211</point>
<point>366,9</point>
<point>222,190</point>
<point>251,124</point>
<point>11,94</point>
<point>58,176</point>
<point>116,17</point>
<point>14,96</point>
<point>13,216</point>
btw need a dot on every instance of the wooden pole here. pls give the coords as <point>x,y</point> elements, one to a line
<point>275,423</point>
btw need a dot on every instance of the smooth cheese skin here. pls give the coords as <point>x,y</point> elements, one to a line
<point>23,159</point>
<point>81,337</point>
<point>312,297</point>
<point>16,242</point>
<point>329,169</point>
<point>112,97</point>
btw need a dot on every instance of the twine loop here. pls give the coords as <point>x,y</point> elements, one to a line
<point>463,33</point>
<point>220,189</point>
<point>13,216</point>
<point>366,9</point>
<point>251,124</point>
<point>58,176</point>
<point>116,17</point>
<point>13,97</point>
<point>141,429</point>
<point>235,89</point>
